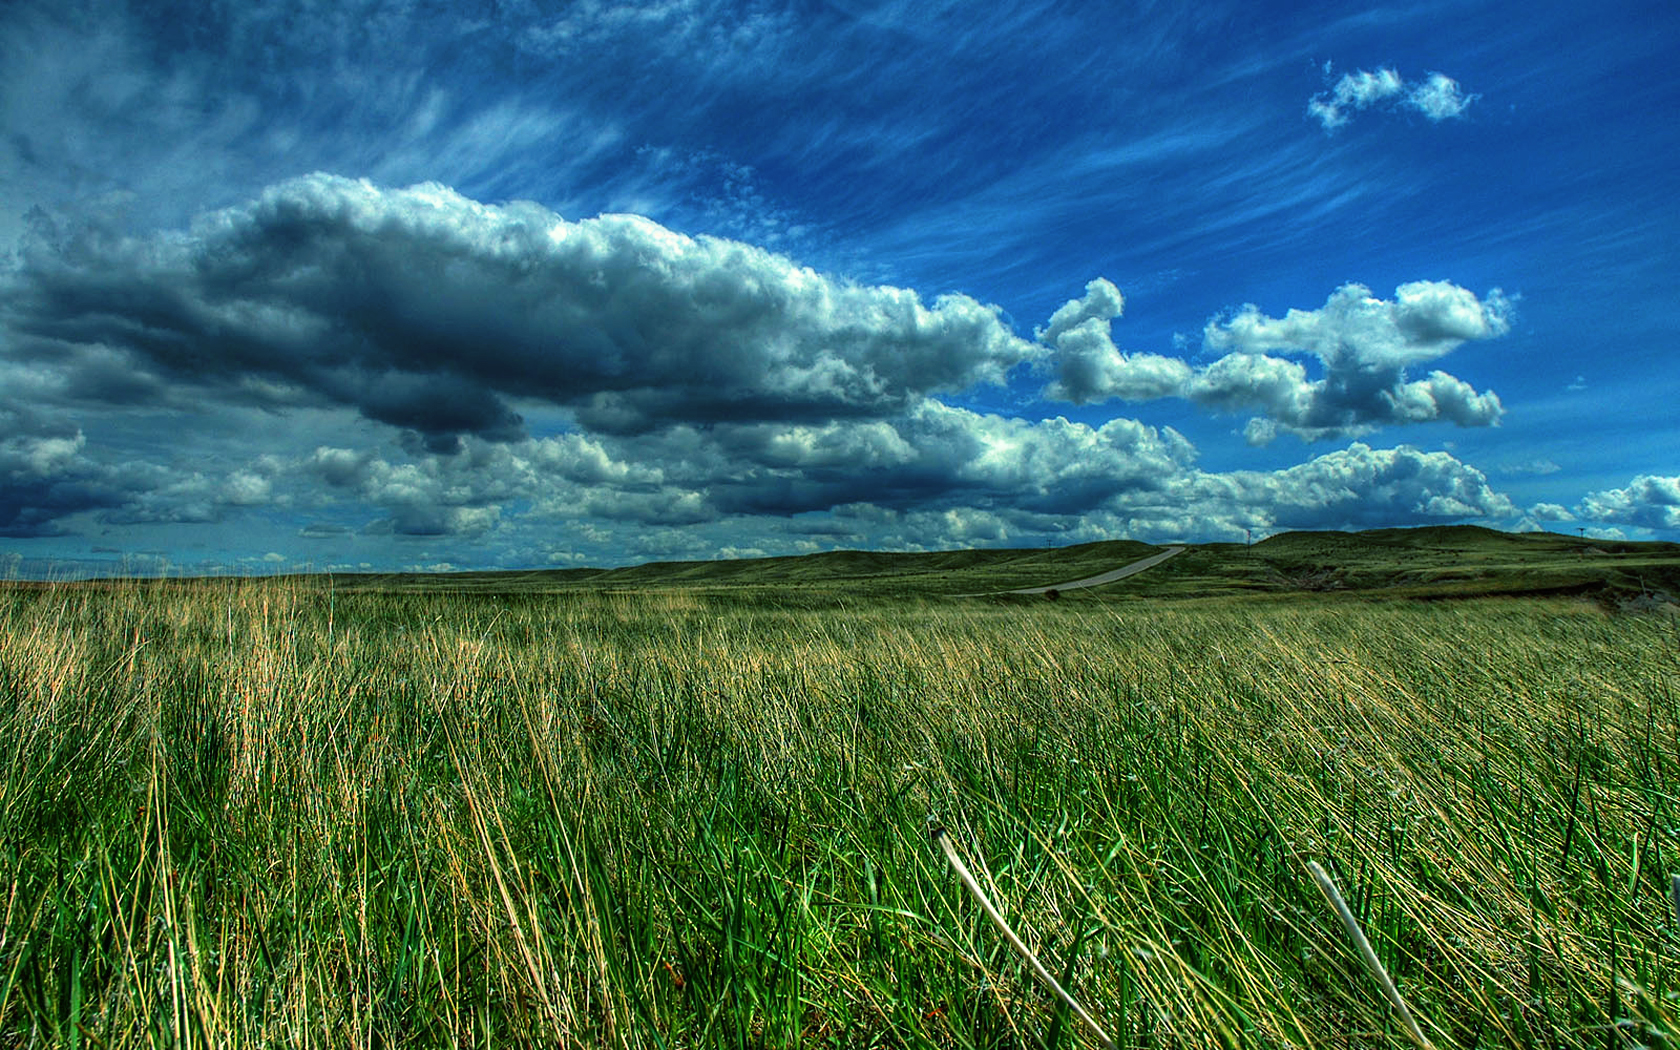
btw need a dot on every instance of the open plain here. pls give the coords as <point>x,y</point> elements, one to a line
<point>688,805</point>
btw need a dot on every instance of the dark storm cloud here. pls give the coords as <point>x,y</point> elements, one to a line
<point>428,311</point>
<point>45,478</point>
<point>932,456</point>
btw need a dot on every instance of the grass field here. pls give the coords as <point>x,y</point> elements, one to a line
<point>694,812</point>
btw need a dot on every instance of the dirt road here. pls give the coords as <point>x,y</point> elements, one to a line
<point>1106,577</point>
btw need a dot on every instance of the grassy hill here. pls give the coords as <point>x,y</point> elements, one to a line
<point>1430,562</point>
<point>830,574</point>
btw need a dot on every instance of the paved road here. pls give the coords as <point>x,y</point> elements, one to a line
<point>1106,577</point>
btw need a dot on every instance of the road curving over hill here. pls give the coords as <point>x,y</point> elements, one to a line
<point>1105,577</point>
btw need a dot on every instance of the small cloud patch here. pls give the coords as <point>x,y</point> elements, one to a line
<point>1438,97</point>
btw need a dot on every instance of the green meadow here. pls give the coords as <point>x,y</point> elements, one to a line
<point>688,806</point>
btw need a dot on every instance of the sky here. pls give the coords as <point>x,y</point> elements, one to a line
<point>416,285</point>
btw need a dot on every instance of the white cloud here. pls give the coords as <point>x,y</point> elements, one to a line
<point>247,488</point>
<point>1090,367</point>
<point>1438,97</point>
<point>1354,91</point>
<point>1538,466</point>
<point>941,477</point>
<point>1424,320</point>
<point>935,457</point>
<point>1363,344</point>
<point>1356,487</point>
<point>1648,501</point>
<point>49,475</point>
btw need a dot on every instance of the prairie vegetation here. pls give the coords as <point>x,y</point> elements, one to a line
<point>270,813</point>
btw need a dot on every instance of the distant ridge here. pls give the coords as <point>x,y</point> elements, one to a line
<point>1434,561</point>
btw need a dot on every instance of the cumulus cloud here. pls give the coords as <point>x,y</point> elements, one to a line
<point>675,385</point>
<point>939,455</point>
<point>934,456</point>
<point>462,493</point>
<point>1091,367</point>
<point>56,480</point>
<point>49,475</point>
<point>1438,97</point>
<point>1648,501</point>
<point>431,312</point>
<point>1364,346</point>
<point>1356,487</point>
<point>937,476</point>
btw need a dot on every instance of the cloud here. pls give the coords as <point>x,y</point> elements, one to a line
<point>1539,466</point>
<point>934,456</point>
<point>1356,487</point>
<point>1090,367</point>
<point>1438,97</point>
<point>57,479</point>
<point>937,476</point>
<point>1364,346</point>
<point>695,383</point>
<point>1354,91</point>
<point>680,30</point>
<point>41,484</point>
<point>47,476</point>
<point>1648,501</point>
<point>431,312</point>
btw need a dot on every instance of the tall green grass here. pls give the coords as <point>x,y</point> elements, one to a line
<point>265,814</point>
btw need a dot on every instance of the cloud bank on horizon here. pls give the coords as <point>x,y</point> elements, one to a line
<point>423,361</point>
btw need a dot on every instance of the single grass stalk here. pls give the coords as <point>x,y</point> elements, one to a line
<point>1674,899</point>
<point>937,831</point>
<point>1372,963</point>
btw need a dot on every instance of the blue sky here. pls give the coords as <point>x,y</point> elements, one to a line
<point>402,285</point>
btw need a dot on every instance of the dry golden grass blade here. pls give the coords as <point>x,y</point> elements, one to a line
<point>1367,954</point>
<point>973,886</point>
